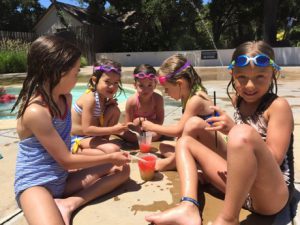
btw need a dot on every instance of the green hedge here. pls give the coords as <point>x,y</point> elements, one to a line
<point>13,62</point>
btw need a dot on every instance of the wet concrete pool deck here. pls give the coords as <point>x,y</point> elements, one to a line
<point>131,202</point>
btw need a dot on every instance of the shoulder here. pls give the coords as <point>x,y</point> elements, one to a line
<point>131,100</point>
<point>86,99</point>
<point>279,104</point>
<point>36,113</point>
<point>157,96</point>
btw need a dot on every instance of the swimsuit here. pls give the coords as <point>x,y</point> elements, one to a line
<point>258,122</point>
<point>137,114</point>
<point>98,112</point>
<point>36,167</point>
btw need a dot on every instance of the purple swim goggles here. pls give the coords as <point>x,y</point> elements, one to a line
<point>163,79</point>
<point>107,68</point>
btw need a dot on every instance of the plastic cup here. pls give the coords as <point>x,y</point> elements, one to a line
<point>147,166</point>
<point>145,140</point>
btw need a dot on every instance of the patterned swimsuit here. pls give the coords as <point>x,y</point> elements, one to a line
<point>258,122</point>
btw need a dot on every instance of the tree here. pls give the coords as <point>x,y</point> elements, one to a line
<point>19,15</point>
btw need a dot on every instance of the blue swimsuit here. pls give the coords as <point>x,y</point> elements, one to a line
<point>36,167</point>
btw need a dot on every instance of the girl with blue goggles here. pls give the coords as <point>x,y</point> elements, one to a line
<point>259,60</point>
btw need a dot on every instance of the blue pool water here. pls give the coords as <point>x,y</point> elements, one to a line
<point>76,92</point>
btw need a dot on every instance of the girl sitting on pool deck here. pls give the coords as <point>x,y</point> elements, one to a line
<point>181,81</point>
<point>45,189</point>
<point>145,104</point>
<point>95,114</point>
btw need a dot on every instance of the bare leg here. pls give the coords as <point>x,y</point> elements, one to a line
<point>249,166</point>
<point>167,149</point>
<point>46,212</point>
<point>88,184</point>
<point>188,151</point>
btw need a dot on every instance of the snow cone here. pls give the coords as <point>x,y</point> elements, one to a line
<point>147,166</point>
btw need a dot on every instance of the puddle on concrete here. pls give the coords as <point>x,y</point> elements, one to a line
<point>295,106</point>
<point>173,187</point>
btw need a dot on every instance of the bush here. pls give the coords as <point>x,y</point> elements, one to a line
<point>83,61</point>
<point>13,56</point>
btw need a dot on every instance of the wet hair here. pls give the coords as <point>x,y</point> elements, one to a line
<point>48,59</point>
<point>174,63</point>
<point>253,48</point>
<point>143,68</point>
<point>98,73</point>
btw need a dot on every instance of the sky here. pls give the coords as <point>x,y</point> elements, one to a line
<point>46,3</point>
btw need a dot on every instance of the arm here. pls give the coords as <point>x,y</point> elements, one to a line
<point>38,121</point>
<point>129,109</point>
<point>159,109</point>
<point>90,124</point>
<point>194,106</point>
<point>280,128</point>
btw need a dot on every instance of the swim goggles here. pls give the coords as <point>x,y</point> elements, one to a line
<point>107,68</point>
<point>259,60</point>
<point>163,79</point>
<point>142,75</point>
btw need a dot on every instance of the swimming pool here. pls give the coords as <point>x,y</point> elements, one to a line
<point>76,92</point>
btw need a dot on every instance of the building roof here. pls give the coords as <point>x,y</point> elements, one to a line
<point>79,13</point>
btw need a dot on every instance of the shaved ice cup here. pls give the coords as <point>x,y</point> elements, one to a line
<point>147,166</point>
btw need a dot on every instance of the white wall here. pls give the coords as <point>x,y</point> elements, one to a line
<point>284,57</point>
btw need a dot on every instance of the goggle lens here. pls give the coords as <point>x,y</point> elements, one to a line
<point>107,68</point>
<point>162,80</point>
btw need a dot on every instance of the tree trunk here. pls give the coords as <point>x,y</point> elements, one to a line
<point>270,28</point>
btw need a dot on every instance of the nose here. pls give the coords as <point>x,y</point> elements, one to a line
<point>250,84</point>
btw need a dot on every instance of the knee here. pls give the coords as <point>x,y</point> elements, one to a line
<point>241,137</point>
<point>112,148</point>
<point>194,125</point>
<point>182,144</point>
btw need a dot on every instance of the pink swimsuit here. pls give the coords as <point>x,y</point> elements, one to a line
<point>149,116</point>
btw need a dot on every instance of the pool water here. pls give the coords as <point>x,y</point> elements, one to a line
<point>76,93</point>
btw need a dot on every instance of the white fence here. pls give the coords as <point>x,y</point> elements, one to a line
<point>284,56</point>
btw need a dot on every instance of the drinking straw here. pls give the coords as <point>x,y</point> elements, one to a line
<point>215,114</point>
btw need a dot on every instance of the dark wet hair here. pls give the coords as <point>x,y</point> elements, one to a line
<point>144,68</point>
<point>98,73</point>
<point>48,58</point>
<point>253,48</point>
<point>174,63</point>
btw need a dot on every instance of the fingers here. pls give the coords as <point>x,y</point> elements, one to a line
<point>217,109</point>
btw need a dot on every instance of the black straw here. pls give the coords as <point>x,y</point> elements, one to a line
<point>215,114</point>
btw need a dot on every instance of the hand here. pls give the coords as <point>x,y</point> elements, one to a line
<point>111,101</point>
<point>147,125</point>
<point>119,128</point>
<point>222,123</point>
<point>120,158</point>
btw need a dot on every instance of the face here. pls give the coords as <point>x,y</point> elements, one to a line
<point>252,82</point>
<point>108,84</point>
<point>69,79</point>
<point>145,87</point>
<point>173,90</point>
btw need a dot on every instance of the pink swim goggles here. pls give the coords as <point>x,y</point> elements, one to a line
<point>107,68</point>
<point>163,79</point>
<point>142,75</point>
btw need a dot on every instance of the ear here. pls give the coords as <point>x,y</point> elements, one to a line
<point>94,79</point>
<point>230,72</point>
<point>179,82</point>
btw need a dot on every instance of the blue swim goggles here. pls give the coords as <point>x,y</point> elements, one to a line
<point>259,60</point>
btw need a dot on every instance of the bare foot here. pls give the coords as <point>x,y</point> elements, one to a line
<point>183,214</point>
<point>65,211</point>
<point>165,164</point>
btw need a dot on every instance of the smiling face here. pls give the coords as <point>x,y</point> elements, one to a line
<point>252,82</point>
<point>108,84</point>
